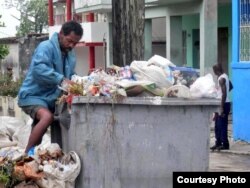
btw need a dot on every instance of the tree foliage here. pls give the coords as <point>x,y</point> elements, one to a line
<point>4,50</point>
<point>9,87</point>
<point>33,15</point>
<point>1,23</point>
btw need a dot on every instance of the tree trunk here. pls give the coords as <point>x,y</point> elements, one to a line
<point>128,31</point>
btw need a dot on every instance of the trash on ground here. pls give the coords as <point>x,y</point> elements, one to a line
<point>49,167</point>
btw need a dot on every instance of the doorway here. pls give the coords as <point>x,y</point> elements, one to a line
<point>223,48</point>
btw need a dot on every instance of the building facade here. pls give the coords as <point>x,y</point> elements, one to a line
<point>20,52</point>
<point>241,69</point>
<point>195,33</point>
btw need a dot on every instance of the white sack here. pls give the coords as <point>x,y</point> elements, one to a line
<point>179,91</point>
<point>144,72</point>
<point>130,83</point>
<point>55,177</point>
<point>9,126</point>
<point>12,153</point>
<point>15,132</point>
<point>160,61</point>
<point>204,86</point>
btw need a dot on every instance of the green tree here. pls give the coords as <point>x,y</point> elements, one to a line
<point>1,23</point>
<point>4,50</point>
<point>33,15</point>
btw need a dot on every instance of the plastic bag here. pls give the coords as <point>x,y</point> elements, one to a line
<point>14,131</point>
<point>11,153</point>
<point>179,91</point>
<point>204,86</point>
<point>61,174</point>
<point>26,185</point>
<point>130,83</point>
<point>160,61</point>
<point>125,73</point>
<point>144,72</point>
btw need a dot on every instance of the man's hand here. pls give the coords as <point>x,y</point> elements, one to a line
<point>65,84</point>
<point>67,81</point>
<point>222,112</point>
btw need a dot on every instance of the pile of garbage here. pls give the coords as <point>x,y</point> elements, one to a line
<point>156,77</point>
<point>49,167</point>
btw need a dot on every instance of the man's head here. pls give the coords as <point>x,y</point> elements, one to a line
<point>217,69</point>
<point>70,34</point>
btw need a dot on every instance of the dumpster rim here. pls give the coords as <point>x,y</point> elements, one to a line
<point>147,101</point>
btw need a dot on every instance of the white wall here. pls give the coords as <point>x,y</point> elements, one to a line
<point>12,58</point>
<point>99,57</point>
<point>82,64</point>
<point>93,31</point>
<point>87,3</point>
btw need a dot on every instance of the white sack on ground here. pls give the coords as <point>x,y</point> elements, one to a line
<point>204,86</point>
<point>15,132</point>
<point>11,153</point>
<point>9,125</point>
<point>21,134</point>
<point>61,174</point>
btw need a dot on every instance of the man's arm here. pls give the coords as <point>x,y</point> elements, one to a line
<point>222,83</point>
<point>43,68</point>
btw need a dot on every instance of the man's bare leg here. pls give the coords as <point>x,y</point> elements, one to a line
<point>45,118</point>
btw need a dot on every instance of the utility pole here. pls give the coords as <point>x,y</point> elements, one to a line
<point>128,31</point>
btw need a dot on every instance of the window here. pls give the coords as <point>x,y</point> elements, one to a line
<point>244,30</point>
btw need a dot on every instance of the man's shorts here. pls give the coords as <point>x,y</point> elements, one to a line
<point>31,111</point>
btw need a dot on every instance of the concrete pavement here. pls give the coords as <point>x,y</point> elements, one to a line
<point>236,159</point>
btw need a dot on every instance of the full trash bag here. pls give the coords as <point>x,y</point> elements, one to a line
<point>160,61</point>
<point>204,86</point>
<point>144,72</point>
<point>14,131</point>
<point>179,91</point>
<point>61,174</point>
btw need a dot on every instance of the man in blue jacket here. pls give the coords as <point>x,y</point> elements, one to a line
<point>52,65</point>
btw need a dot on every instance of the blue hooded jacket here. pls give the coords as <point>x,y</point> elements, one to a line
<point>45,73</point>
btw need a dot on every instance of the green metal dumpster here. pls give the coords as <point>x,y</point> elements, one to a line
<point>138,142</point>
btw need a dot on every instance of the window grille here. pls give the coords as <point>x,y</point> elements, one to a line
<point>244,30</point>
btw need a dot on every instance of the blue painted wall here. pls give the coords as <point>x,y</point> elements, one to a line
<point>241,80</point>
<point>241,101</point>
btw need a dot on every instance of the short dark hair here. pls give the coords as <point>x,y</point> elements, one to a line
<point>218,67</point>
<point>70,26</point>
